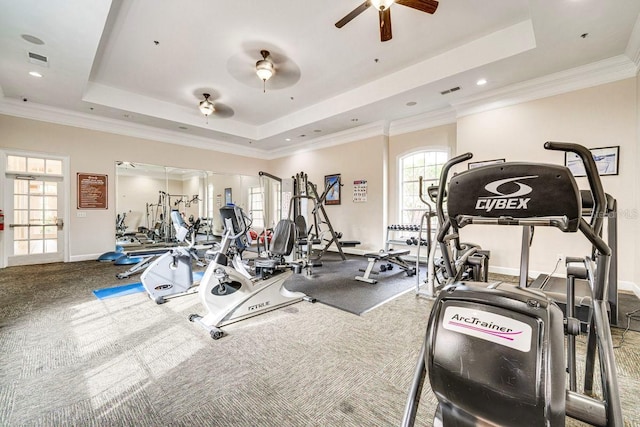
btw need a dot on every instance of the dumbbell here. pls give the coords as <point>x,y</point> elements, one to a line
<point>412,241</point>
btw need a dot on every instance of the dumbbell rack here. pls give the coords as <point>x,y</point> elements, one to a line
<point>411,240</point>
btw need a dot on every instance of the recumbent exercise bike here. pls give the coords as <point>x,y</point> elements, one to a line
<point>233,294</point>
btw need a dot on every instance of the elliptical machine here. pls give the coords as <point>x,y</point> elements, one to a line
<point>231,295</point>
<point>495,354</point>
<point>458,260</point>
<point>171,274</point>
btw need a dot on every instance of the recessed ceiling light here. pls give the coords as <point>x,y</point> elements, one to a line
<point>287,139</point>
<point>35,74</point>
<point>302,135</point>
<point>32,39</point>
<point>411,103</point>
<point>481,82</point>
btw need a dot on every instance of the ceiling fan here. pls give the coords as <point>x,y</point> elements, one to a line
<point>209,106</point>
<point>384,12</point>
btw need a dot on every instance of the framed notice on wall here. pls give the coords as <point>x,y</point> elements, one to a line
<point>92,191</point>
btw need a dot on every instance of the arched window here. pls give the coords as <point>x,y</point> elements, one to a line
<point>426,164</point>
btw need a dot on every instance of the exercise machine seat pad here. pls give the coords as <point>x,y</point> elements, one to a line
<point>283,237</point>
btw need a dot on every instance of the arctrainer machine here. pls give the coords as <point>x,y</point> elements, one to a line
<point>231,295</point>
<point>495,354</point>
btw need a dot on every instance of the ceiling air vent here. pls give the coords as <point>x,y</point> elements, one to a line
<point>35,58</point>
<point>453,89</point>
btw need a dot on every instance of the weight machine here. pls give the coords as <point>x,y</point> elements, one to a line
<point>304,190</point>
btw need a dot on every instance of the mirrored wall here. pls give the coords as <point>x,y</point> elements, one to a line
<point>146,195</point>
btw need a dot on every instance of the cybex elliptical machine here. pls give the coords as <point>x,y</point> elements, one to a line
<point>495,354</point>
<point>231,295</point>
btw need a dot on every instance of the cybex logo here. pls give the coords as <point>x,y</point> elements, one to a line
<point>501,200</point>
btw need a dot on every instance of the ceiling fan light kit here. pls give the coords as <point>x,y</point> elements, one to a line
<point>206,107</point>
<point>384,13</point>
<point>264,68</point>
<point>381,4</point>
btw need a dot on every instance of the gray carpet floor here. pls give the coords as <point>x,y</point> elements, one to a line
<point>69,359</point>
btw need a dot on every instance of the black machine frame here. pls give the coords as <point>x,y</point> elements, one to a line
<point>500,197</point>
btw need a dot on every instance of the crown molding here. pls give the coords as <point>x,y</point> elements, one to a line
<point>606,71</point>
<point>343,137</point>
<point>45,113</point>
<point>594,74</point>
<point>431,119</point>
<point>633,46</point>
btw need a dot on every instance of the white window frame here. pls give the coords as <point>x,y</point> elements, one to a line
<point>257,224</point>
<point>442,154</point>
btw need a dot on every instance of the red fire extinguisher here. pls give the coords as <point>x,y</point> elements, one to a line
<point>1,220</point>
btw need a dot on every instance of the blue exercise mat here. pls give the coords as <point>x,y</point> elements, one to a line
<point>133,288</point>
<point>119,291</point>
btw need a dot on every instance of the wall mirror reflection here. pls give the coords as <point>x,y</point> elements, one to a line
<point>146,194</point>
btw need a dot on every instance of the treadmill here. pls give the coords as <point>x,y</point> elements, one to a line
<point>556,287</point>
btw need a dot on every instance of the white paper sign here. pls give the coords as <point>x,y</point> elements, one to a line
<point>360,191</point>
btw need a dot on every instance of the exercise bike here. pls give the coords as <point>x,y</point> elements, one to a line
<point>231,295</point>
<point>494,353</point>
<point>171,274</point>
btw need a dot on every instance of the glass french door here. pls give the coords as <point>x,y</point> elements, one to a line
<point>34,219</point>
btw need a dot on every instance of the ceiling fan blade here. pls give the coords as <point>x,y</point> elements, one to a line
<point>355,12</point>
<point>385,24</point>
<point>428,6</point>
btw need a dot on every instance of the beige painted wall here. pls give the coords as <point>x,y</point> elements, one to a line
<point>597,117</point>
<point>354,161</point>
<point>96,152</point>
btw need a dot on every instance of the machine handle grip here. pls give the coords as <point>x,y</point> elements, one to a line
<point>595,184</point>
<point>420,192</point>
<point>443,182</point>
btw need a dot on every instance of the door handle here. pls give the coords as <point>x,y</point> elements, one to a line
<point>59,223</point>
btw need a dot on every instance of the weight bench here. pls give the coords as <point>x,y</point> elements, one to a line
<point>389,259</point>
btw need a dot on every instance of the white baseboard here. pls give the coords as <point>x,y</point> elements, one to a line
<point>623,285</point>
<point>88,257</point>
<point>629,286</point>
